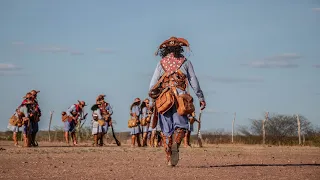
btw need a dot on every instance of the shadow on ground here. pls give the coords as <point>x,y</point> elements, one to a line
<point>252,165</point>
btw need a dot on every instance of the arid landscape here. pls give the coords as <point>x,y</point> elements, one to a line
<point>58,161</point>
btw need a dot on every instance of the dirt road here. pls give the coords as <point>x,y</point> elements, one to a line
<point>56,161</point>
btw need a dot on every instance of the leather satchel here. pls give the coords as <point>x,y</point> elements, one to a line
<point>102,122</point>
<point>165,101</point>
<point>132,122</point>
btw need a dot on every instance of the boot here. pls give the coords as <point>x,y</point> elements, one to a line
<point>29,139</point>
<point>186,139</point>
<point>178,137</point>
<point>33,140</point>
<point>133,141</point>
<point>95,138</point>
<point>66,136</point>
<point>138,140</point>
<point>168,148</point>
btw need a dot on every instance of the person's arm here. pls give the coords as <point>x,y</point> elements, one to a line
<point>109,109</point>
<point>194,83</point>
<point>156,76</point>
<point>137,111</point>
<point>70,109</point>
<point>98,112</point>
<point>144,113</point>
<point>24,110</point>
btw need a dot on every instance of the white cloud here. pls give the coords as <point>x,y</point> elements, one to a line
<point>316,9</point>
<point>48,49</point>
<point>52,49</point>
<point>76,53</point>
<point>6,67</point>
<point>284,60</point>
<point>235,79</point>
<point>17,43</point>
<point>57,49</point>
<point>104,50</point>
<point>11,73</point>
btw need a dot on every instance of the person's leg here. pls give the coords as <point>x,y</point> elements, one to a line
<point>180,126</point>
<point>144,135</point>
<point>35,129</point>
<point>94,132</point>
<point>185,139</point>
<point>133,137</point>
<point>152,138</point>
<point>25,134</point>
<point>73,133</point>
<point>167,128</point>
<point>66,131</point>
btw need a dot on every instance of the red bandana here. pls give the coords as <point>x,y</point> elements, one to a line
<point>171,64</point>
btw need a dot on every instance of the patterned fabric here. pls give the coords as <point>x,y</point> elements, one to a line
<point>171,64</point>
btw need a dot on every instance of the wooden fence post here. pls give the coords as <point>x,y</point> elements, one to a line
<point>234,119</point>
<point>263,128</point>
<point>51,113</point>
<point>299,129</point>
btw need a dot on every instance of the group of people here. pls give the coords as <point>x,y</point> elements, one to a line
<point>27,116</point>
<point>171,111</point>
<point>141,125</point>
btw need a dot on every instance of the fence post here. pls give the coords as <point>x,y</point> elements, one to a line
<point>51,112</point>
<point>234,119</point>
<point>263,128</point>
<point>299,129</point>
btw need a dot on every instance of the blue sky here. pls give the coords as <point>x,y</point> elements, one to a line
<point>250,56</point>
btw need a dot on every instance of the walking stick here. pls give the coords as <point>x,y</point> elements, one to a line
<point>199,127</point>
<point>114,136</point>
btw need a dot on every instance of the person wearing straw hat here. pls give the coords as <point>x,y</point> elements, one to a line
<point>74,115</point>
<point>24,110</point>
<point>135,114</point>
<point>98,124</point>
<point>145,120</point>
<point>35,117</point>
<point>168,87</point>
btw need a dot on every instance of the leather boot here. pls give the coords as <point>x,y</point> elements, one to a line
<point>188,138</point>
<point>133,141</point>
<point>167,144</point>
<point>33,140</point>
<point>178,137</point>
<point>29,139</point>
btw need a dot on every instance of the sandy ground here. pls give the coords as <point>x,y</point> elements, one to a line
<point>57,161</point>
